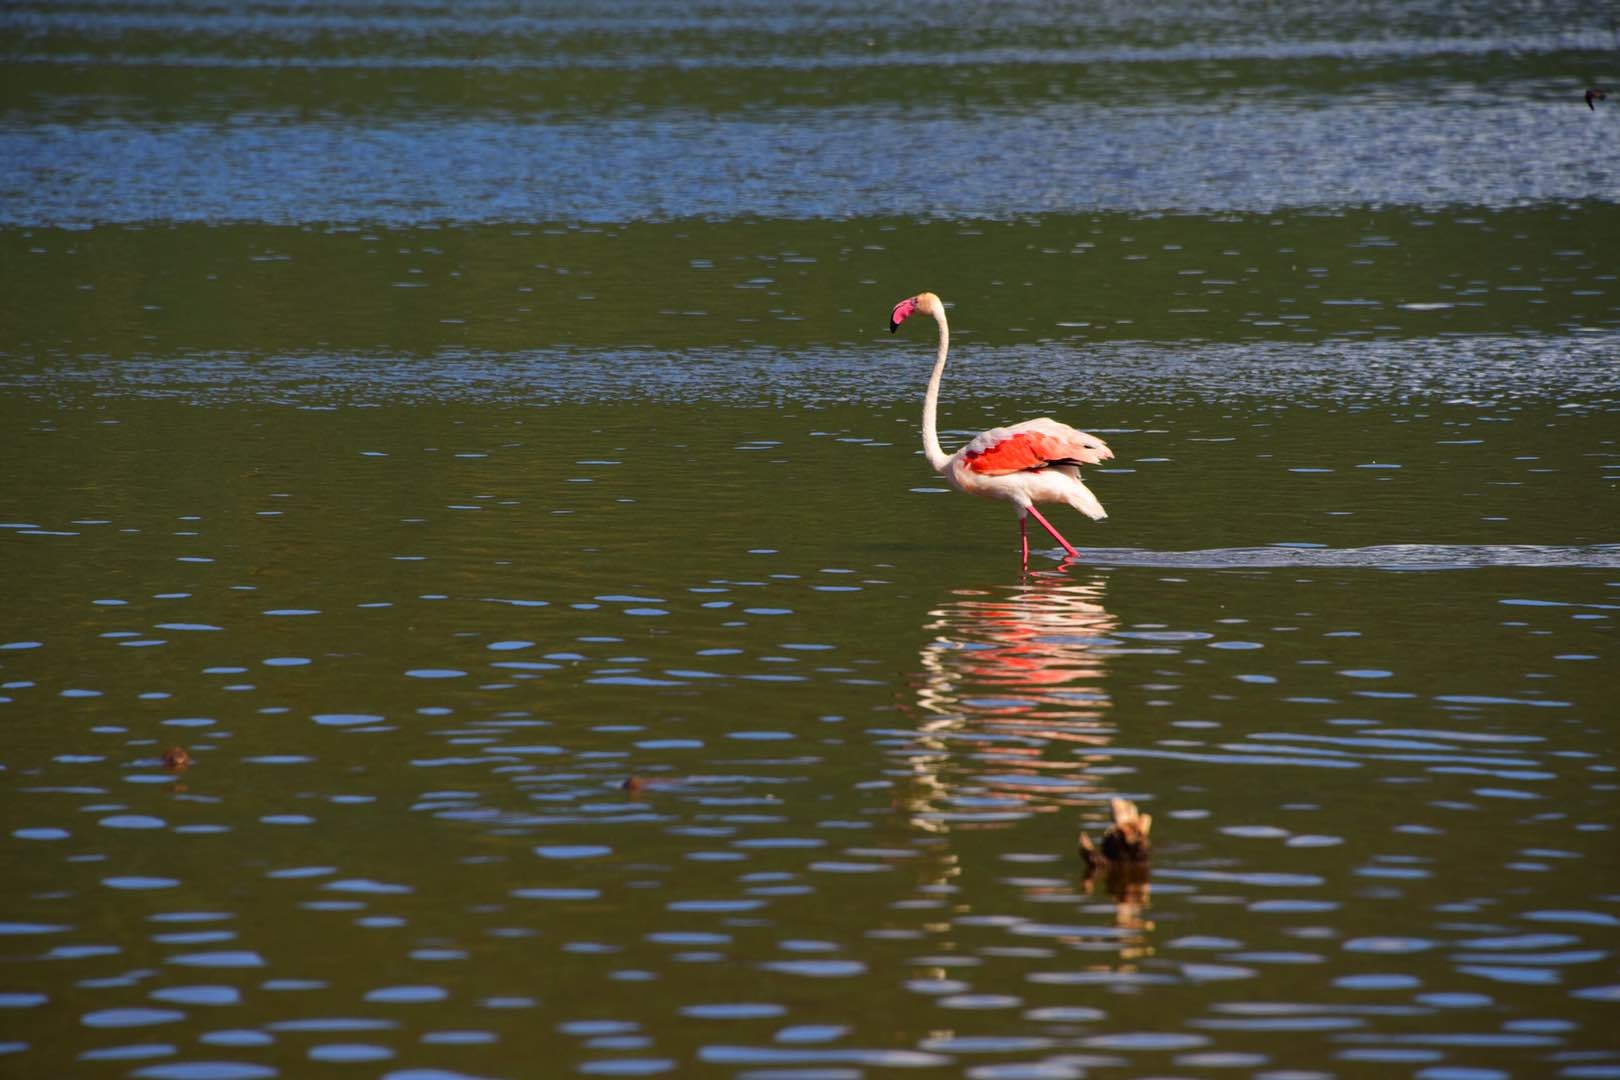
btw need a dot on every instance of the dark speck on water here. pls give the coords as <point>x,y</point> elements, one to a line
<point>474,603</point>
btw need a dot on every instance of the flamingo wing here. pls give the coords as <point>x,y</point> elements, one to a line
<point>1033,444</point>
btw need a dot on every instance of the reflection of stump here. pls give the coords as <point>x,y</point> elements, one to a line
<point>1124,843</point>
<point>1127,883</point>
<point>1122,862</point>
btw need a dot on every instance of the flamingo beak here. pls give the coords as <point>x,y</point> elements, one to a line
<point>902,311</point>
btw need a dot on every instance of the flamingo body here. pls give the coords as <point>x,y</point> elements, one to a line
<point>1033,444</point>
<point>1036,461</point>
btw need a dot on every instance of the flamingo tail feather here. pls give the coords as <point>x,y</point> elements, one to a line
<point>1084,501</point>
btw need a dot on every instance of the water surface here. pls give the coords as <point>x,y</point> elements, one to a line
<point>432,415</point>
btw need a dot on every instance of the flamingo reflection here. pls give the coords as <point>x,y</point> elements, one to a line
<point>1011,717</point>
<point>1010,695</point>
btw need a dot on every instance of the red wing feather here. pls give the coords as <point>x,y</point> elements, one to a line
<point>1010,455</point>
<point>1023,450</point>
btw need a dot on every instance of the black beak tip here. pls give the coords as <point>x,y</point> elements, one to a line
<point>893,326</point>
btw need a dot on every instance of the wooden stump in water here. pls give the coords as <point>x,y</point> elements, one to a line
<point>1124,843</point>
<point>1121,859</point>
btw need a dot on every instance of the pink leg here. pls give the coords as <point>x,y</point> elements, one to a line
<point>1023,537</point>
<point>1047,525</point>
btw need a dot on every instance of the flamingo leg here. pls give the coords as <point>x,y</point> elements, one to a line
<point>1047,525</point>
<point>1023,537</point>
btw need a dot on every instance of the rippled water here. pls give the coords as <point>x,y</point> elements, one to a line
<point>432,416</point>
<point>478,113</point>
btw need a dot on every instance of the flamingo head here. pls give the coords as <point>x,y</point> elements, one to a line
<point>927,303</point>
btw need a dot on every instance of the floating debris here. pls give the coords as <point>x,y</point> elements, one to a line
<point>1124,843</point>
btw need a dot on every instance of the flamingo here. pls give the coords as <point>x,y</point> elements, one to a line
<point>1035,461</point>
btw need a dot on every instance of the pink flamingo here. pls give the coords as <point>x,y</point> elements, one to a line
<point>1035,461</point>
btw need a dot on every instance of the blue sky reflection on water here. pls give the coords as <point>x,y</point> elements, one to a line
<point>650,113</point>
<point>1159,156</point>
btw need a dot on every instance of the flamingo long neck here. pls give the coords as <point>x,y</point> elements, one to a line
<point>937,457</point>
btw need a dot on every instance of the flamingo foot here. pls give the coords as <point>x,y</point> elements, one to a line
<point>1047,525</point>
